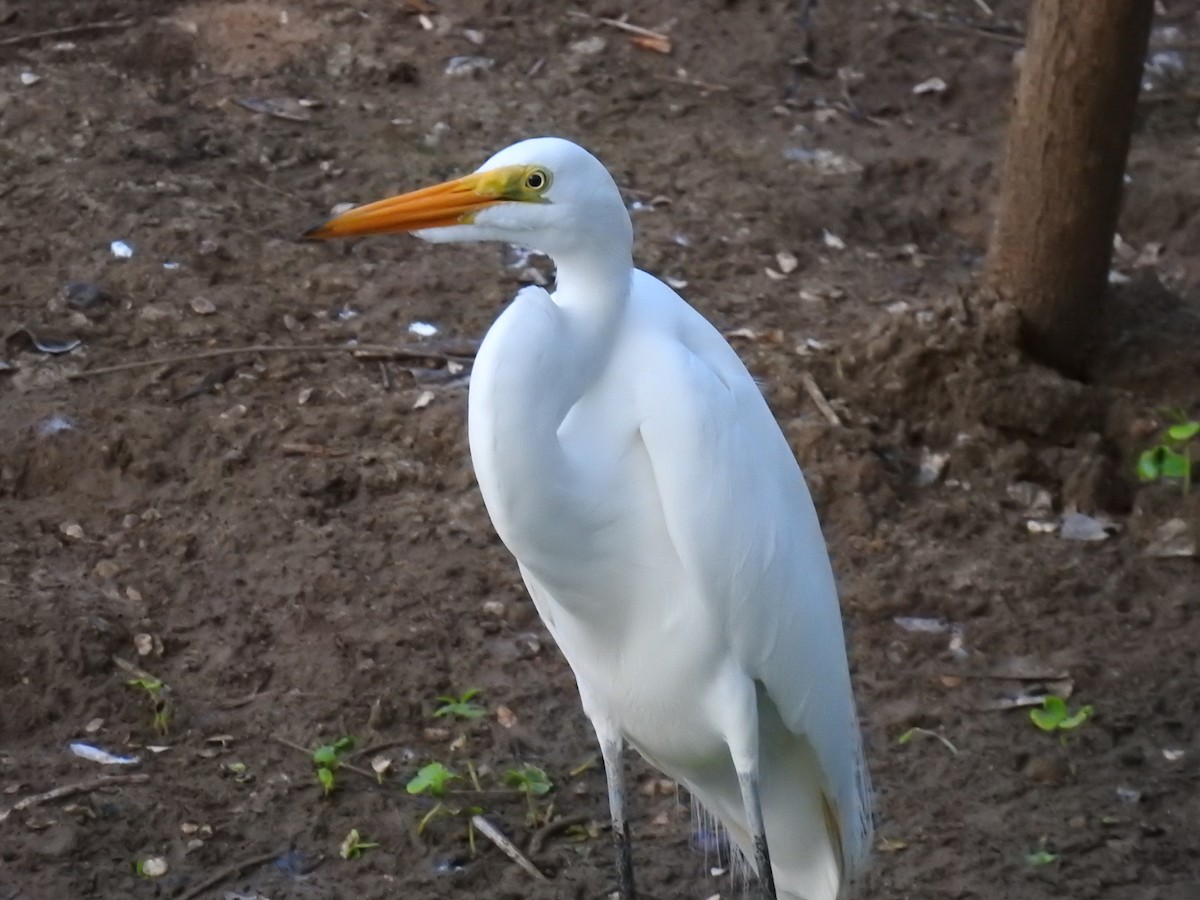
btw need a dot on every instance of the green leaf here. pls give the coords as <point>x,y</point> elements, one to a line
<point>330,755</point>
<point>460,706</point>
<point>325,756</point>
<point>906,737</point>
<point>1041,858</point>
<point>1175,464</point>
<point>529,779</point>
<point>1184,431</point>
<point>325,776</point>
<point>1148,468</point>
<point>431,779</point>
<point>1048,718</point>
<point>1085,713</point>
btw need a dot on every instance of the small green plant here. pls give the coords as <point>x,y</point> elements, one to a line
<point>1053,715</point>
<point>432,780</point>
<point>1171,458</point>
<point>462,707</point>
<point>155,690</point>
<point>533,783</point>
<point>238,771</point>
<point>353,845</point>
<point>1041,857</point>
<point>328,757</point>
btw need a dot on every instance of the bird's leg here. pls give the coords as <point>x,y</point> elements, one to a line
<point>752,802</point>
<point>741,735</point>
<point>611,746</point>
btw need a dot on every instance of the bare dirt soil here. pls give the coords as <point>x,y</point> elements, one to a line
<point>292,541</point>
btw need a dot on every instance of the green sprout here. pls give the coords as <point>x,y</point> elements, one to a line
<point>1171,458</point>
<point>353,845</point>
<point>1041,858</point>
<point>239,771</point>
<point>328,757</point>
<point>460,706</point>
<point>431,779</point>
<point>155,691</point>
<point>1053,715</point>
<point>532,782</point>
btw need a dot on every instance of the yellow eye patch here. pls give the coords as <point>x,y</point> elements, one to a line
<point>526,184</point>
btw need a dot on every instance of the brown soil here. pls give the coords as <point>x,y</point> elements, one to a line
<point>296,540</point>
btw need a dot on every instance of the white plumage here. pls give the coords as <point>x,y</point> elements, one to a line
<point>660,521</point>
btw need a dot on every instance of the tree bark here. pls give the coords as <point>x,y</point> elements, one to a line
<point>1064,166</point>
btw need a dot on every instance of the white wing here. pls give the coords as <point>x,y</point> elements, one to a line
<point>742,521</point>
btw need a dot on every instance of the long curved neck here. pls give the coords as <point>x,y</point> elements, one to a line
<point>537,363</point>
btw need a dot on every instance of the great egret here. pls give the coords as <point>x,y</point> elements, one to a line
<point>663,528</point>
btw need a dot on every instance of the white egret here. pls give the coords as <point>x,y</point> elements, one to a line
<point>660,521</point>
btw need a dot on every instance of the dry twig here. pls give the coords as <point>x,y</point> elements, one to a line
<point>692,82</point>
<point>562,823</point>
<point>493,834</point>
<point>819,398</point>
<point>66,31</point>
<point>363,351</point>
<point>1169,97</point>
<point>229,871</point>
<point>622,25</point>
<point>69,790</point>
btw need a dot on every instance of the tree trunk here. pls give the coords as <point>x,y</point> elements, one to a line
<point>1064,165</point>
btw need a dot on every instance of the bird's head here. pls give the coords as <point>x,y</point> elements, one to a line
<point>544,193</point>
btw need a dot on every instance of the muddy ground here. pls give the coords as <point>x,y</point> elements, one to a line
<point>292,541</point>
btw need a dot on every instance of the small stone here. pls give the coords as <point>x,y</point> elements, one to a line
<point>506,717</point>
<point>1172,538</point>
<point>84,295</point>
<point>156,312</point>
<point>589,46</point>
<point>1079,527</point>
<point>1045,769</point>
<point>202,306</point>
<point>930,86</point>
<point>153,867</point>
<point>107,569</point>
<point>494,607</point>
<point>144,644</point>
<point>72,530</point>
<point>460,66</point>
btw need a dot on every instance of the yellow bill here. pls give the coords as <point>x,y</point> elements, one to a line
<point>453,202</point>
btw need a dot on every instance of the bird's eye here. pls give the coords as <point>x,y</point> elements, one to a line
<point>536,180</point>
